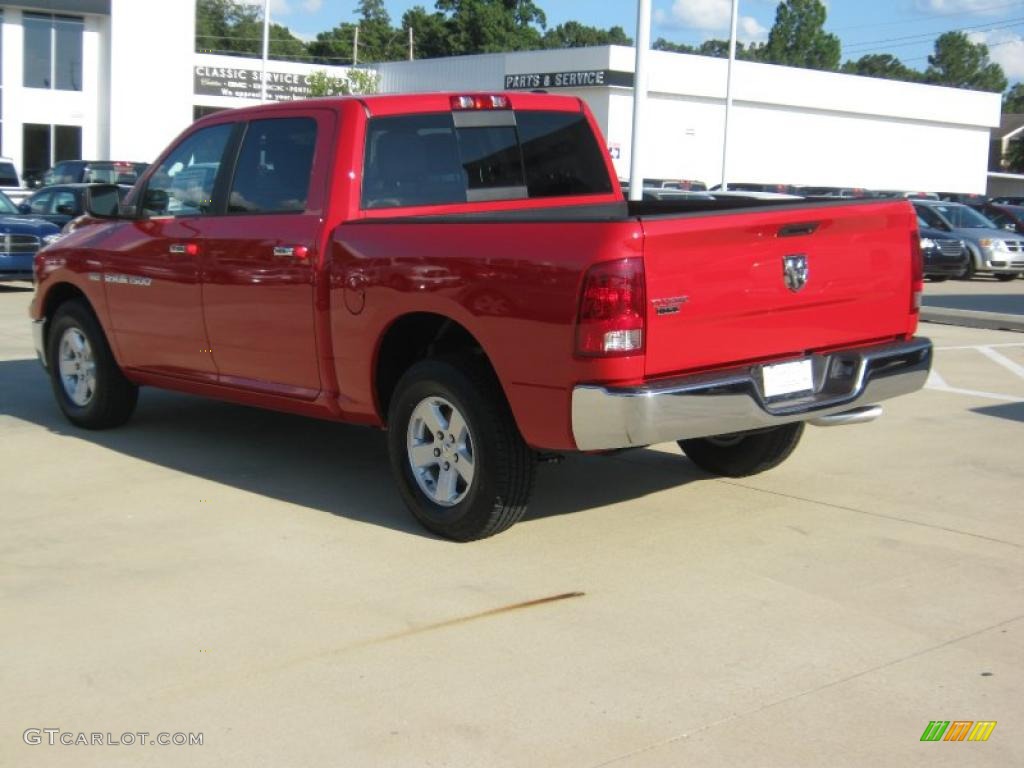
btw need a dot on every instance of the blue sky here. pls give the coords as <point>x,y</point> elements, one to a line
<point>904,28</point>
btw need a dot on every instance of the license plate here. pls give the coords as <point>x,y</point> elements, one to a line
<point>787,378</point>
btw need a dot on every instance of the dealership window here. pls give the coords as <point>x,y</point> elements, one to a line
<point>2,82</point>
<point>53,51</point>
<point>44,146</point>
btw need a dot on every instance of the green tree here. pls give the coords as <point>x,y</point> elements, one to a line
<point>719,49</point>
<point>882,65</point>
<point>226,26</point>
<point>572,34</point>
<point>959,63</point>
<point>1013,160</point>
<point>489,26</point>
<point>798,37</point>
<point>430,33</point>
<point>1013,100</point>
<point>357,81</point>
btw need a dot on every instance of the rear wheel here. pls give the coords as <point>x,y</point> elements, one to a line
<point>462,467</point>
<point>744,453</point>
<point>87,382</point>
<point>1005,278</point>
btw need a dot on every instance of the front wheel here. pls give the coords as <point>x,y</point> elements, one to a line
<point>1005,278</point>
<point>938,278</point>
<point>462,467</point>
<point>87,382</point>
<point>743,454</point>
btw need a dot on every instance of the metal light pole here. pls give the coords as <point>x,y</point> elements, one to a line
<point>643,45</point>
<point>266,49</point>
<point>728,94</point>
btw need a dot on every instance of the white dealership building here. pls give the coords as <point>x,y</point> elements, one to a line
<point>118,79</point>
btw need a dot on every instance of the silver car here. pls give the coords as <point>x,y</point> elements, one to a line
<point>992,249</point>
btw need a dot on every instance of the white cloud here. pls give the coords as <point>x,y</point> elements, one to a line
<point>1005,48</point>
<point>711,16</point>
<point>992,7</point>
<point>312,6</point>
<point>279,8</point>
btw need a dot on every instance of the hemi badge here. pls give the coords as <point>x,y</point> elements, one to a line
<point>669,306</point>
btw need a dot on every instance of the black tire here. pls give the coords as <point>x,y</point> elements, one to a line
<point>113,398</point>
<point>1005,278</point>
<point>503,465</point>
<point>938,278</point>
<point>744,454</point>
<point>970,270</point>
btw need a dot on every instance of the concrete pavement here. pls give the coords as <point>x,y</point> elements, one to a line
<point>253,577</point>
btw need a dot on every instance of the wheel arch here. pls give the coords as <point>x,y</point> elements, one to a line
<point>416,336</point>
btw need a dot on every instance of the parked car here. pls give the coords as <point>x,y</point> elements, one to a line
<point>462,270</point>
<point>94,171</point>
<point>61,203</point>
<point>992,249</point>
<point>687,185</point>
<point>896,193</point>
<point>20,238</point>
<point>845,192</point>
<point>8,175</point>
<point>743,186</point>
<point>944,256</point>
<point>967,198</point>
<point>1008,217</point>
<point>1008,200</point>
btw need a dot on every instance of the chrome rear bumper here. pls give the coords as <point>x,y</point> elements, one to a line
<point>723,402</point>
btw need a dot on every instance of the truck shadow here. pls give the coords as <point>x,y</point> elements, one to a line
<point>335,468</point>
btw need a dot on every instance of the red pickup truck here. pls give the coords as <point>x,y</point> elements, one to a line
<point>462,270</point>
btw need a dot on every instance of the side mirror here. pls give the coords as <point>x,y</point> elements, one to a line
<point>24,208</point>
<point>156,200</point>
<point>66,210</point>
<point>101,201</point>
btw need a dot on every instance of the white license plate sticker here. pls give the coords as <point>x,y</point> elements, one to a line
<point>787,378</point>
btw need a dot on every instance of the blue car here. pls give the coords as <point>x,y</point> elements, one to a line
<point>20,237</point>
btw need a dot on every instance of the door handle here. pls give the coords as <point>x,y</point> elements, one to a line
<point>187,248</point>
<point>291,251</point>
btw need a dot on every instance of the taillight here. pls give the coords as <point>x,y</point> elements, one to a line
<point>916,271</point>
<point>611,316</point>
<point>480,101</point>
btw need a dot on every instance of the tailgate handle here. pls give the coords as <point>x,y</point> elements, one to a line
<point>806,228</point>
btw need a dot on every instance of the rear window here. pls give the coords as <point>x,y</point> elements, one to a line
<point>8,176</point>
<point>561,155</point>
<point>426,160</point>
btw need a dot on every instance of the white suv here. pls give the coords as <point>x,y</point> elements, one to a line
<point>10,182</point>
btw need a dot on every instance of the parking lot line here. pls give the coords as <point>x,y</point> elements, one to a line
<point>1002,360</point>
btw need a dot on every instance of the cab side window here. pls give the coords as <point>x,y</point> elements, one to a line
<point>183,184</point>
<point>65,203</point>
<point>274,166</point>
<point>40,203</point>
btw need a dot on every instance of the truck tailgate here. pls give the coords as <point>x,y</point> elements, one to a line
<point>717,289</point>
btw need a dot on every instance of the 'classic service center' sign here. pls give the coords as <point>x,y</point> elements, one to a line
<point>245,83</point>
<point>578,79</point>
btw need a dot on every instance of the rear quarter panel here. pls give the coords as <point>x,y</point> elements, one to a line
<point>513,285</point>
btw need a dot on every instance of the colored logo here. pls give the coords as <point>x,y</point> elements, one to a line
<point>958,730</point>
